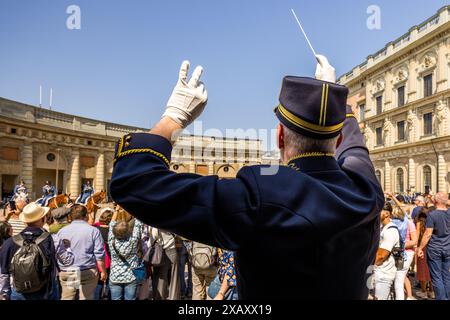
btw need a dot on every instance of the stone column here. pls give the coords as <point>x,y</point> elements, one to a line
<point>442,172</point>
<point>442,76</point>
<point>100,172</point>
<point>412,80</point>
<point>210,169</point>
<point>75,174</point>
<point>412,174</point>
<point>387,176</point>
<point>27,167</point>
<point>388,104</point>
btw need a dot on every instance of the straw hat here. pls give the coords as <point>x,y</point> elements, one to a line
<point>33,212</point>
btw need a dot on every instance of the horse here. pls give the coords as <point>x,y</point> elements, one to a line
<point>59,201</point>
<point>93,202</point>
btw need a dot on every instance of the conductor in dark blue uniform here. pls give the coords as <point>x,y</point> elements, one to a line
<point>305,229</point>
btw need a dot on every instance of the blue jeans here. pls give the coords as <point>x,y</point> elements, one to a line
<point>98,291</point>
<point>30,296</point>
<point>123,290</point>
<point>41,295</point>
<point>439,265</point>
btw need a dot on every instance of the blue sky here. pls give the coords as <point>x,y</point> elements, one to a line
<point>123,63</point>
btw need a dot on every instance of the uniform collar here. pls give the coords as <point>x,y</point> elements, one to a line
<point>313,161</point>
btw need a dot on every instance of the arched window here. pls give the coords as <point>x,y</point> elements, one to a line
<point>378,175</point>
<point>426,178</point>
<point>400,180</point>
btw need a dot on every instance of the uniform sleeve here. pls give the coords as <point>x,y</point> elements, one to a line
<point>352,153</point>
<point>389,240</point>
<point>201,208</point>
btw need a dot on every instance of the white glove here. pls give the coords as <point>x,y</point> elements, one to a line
<point>188,99</point>
<point>324,70</point>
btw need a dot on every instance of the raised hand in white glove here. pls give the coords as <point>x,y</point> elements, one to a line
<point>324,70</point>
<point>188,99</point>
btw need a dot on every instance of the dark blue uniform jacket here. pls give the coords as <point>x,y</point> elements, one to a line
<point>309,231</point>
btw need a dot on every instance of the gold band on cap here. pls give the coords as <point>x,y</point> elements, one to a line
<point>305,125</point>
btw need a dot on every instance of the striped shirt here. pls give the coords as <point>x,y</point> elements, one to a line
<point>17,226</point>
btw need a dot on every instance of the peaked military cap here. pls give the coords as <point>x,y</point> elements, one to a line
<point>312,107</point>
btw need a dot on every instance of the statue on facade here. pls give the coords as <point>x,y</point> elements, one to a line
<point>402,75</point>
<point>429,61</point>
<point>440,116</point>
<point>380,84</point>
<point>367,133</point>
<point>410,120</point>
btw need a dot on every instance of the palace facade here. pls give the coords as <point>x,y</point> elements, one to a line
<point>402,94</point>
<point>38,144</point>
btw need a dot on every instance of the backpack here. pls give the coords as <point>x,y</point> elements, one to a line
<point>29,266</point>
<point>202,256</point>
<point>399,252</point>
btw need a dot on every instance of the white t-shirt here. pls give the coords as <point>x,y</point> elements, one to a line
<point>389,239</point>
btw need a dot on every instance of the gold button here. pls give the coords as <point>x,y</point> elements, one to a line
<point>127,144</point>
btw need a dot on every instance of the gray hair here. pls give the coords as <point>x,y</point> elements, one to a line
<point>420,199</point>
<point>295,143</point>
<point>441,198</point>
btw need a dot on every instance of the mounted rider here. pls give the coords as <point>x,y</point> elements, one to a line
<point>20,191</point>
<point>86,193</point>
<point>48,192</point>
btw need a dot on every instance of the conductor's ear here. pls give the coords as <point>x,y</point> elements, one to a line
<point>339,140</point>
<point>280,136</point>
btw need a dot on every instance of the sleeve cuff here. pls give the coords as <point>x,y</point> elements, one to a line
<point>349,112</point>
<point>136,143</point>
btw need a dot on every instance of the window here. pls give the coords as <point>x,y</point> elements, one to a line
<point>400,130</point>
<point>378,175</point>
<point>51,157</point>
<point>400,180</point>
<point>428,123</point>
<point>362,112</point>
<point>427,178</point>
<point>379,132</point>
<point>401,96</point>
<point>379,104</point>
<point>428,85</point>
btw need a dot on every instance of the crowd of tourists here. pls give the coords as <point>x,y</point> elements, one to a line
<point>413,258</point>
<point>69,253</point>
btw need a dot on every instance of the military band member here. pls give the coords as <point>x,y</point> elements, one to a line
<point>314,221</point>
<point>48,192</point>
<point>87,191</point>
<point>20,191</point>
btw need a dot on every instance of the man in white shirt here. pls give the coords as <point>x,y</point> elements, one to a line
<point>385,268</point>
